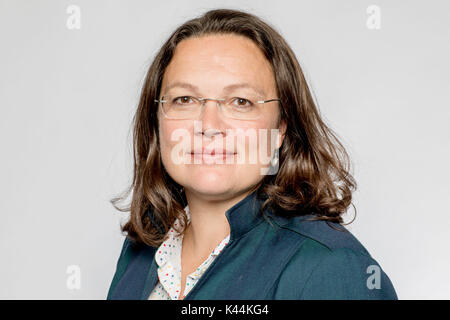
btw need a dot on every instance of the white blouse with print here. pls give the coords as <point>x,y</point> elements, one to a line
<point>168,258</point>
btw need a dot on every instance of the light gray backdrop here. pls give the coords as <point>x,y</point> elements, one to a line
<point>67,97</point>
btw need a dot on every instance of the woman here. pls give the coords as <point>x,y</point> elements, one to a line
<point>239,186</point>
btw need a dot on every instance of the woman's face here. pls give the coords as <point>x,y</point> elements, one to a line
<point>242,148</point>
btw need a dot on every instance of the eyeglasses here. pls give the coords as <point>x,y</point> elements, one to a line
<point>188,107</point>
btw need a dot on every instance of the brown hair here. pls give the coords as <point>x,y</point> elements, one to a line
<point>313,175</point>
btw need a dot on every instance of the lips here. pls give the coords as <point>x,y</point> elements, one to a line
<point>212,152</point>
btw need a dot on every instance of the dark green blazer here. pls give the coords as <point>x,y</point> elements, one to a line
<point>267,258</point>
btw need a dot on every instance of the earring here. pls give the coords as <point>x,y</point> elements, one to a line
<point>275,159</point>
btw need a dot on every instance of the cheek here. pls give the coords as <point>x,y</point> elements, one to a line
<point>265,130</point>
<point>259,139</point>
<point>170,136</point>
<point>164,134</point>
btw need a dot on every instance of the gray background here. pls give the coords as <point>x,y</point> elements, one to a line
<point>67,98</point>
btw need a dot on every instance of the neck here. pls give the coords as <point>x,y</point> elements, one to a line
<point>209,225</point>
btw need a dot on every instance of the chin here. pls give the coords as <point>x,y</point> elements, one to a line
<point>209,180</point>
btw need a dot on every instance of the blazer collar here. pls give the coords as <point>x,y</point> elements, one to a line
<point>244,215</point>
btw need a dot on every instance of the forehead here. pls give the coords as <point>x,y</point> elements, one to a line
<point>215,61</point>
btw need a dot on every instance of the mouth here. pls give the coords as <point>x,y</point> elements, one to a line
<point>212,156</point>
<point>218,153</point>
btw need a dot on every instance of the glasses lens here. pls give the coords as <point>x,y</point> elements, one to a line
<point>181,107</point>
<point>243,108</point>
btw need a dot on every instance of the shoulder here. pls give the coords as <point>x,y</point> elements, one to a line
<point>331,263</point>
<point>330,235</point>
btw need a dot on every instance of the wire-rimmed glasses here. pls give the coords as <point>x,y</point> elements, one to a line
<point>188,107</point>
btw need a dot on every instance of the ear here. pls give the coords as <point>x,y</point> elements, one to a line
<point>281,133</point>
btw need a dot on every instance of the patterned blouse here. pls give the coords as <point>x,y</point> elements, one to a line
<point>168,258</point>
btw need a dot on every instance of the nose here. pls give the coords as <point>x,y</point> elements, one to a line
<point>211,117</point>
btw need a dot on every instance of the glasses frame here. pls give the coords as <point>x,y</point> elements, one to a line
<point>218,103</point>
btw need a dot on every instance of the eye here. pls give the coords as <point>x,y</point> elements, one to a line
<point>182,100</point>
<point>242,102</point>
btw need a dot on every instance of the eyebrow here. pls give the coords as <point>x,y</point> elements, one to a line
<point>226,90</point>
